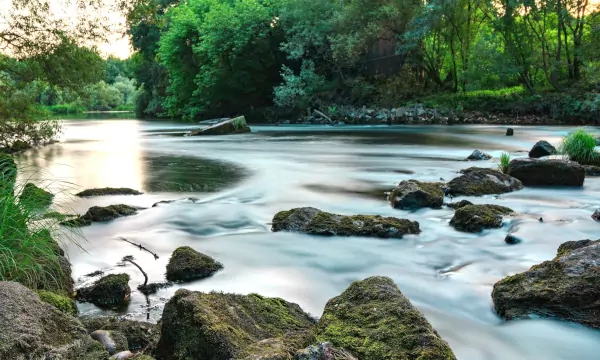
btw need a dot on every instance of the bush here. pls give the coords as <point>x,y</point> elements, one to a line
<point>580,146</point>
<point>65,109</point>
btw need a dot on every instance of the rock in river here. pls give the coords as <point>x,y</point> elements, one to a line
<point>139,334</point>
<point>479,155</point>
<point>596,215</point>
<point>374,321</point>
<point>188,264</point>
<point>547,172</point>
<point>316,222</point>
<point>567,287</point>
<point>542,148</point>
<point>35,197</point>
<point>591,170</point>
<point>101,213</point>
<point>476,181</point>
<point>231,126</point>
<point>413,194</point>
<point>108,191</point>
<point>111,291</point>
<point>218,326</point>
<point>475,218</point>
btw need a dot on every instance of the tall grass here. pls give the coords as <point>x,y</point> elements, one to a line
<point>28,252</point>
<point>504,163</point>
<point>580,146</point>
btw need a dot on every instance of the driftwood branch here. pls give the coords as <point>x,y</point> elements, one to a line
<point>129,259</point>
<point>140,246</point>
<point>323,116</point>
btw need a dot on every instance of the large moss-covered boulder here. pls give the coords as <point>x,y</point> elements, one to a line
<point>228,127</point>
<point>547,172</point>
<point>316,222</point>
<point>374,321</point>
<point>222,326</point>
<point>139,334</point>
<point>8,173</point>
<point>476,181</point>
<point>413,194</point>
<point>101,213</point>
<point>111,291</point>
<point>35,197</point>
<point>475,218</point>
<point>567,287</point>
<point>33,329</point>
<point>108,191</point>
<point>542,148</point>
<point>188,264</point>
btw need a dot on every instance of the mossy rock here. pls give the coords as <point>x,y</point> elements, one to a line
<point>187,264</point>
<point>111,291</point>
<point>322,351</point>
<point>316,222</point>
<point>547,172</point>
<point>591,170</point>
<point>228,127</point>
<point>413,194</point>
<point>459,204</point>
<point>108,191</point>
<point>476,218</point>
<point>8,173</point>
<point>34,197</point>
<point>566,287</point>
<point>199,325</point>
<point>477,181</point>
<point>374,321</point>
<point>140,335</point>
<point>62,303</point>
<point>101,213</point>
<point>112,341</point>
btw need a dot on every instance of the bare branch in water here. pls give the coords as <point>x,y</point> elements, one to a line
<point>141,247</point>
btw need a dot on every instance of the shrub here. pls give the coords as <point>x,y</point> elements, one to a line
<point>504,162</point>
<point>65,109</point>
<point>580,146</point>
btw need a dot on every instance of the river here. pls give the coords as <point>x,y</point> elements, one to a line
<point>227,189</point>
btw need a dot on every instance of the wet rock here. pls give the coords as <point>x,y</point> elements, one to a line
<point>413,194</point>
<point>123,355</point>
<point>139,334</point>
<point>374,321</point>
<point>228,127</point>
<point>187,264</point>
<point>214,325</point>
<point>460,204</point>
<point>112,341</point>
<point>153,288</point>
<point>108,191</point>
<point>547,172</point>
<point>111,291</point>
<point>316,222</point>
<point>510,132</point>
<point>323,351</point>
<point>476,181</point>
<point>567,287</point>
<point>34,197</point>
<point>596,215</point>
<point>31,328</point>
<point>101,213</point>
<point>475,218</point>
<point>479,155</point>
<point>591,170</point>
<point>542,148</point>
<point>60,302</point>
<point>512,239</point>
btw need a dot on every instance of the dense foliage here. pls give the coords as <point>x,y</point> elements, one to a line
<point>219,57</point>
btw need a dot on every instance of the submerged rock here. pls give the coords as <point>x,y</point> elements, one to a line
<point>139,334</point>
<point>34,197</point>
<point>112,341</point>
<point>199,325</point>
<point>108,191</point>
<point>542,148</point>
<point>459,204</point>
<point>547,172</point>
<point>512,239</point>
<point>374,321</point>
<point>32,329</point>
<point>567,287</point>
<point>475,218</point>
<point>101,213</point>
<point>479,155</point>
<point>476,181</point>
<point>316,222</point>
<point>111,291</point>
<point>188,264</point>
<point>591,170</point>
<point>228,127</point>
<point>413,194</point>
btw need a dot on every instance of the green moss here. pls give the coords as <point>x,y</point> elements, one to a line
<point>101,213</point>
<point>111,291</point>
<point>35,197</point>
<point>188,264</point>
<point>413,194</point>
<point>475,218</point>
<point>482,181</point>
<point>108,191</point>
<point>62,303</point>
<point>374,321</point>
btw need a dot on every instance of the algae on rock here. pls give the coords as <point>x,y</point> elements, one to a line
<point>475,218</point>
<point>476,181</point>
<point>108,191</point>
<point>413,194</point>
<point>188,264</point>
<point>374,321</point>
<point>101,213</point>
<point>316,222</point>
<point>111,291</point>
<point>62,303</point>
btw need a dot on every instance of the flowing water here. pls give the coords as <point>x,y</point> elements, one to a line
<point>227,189</point>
